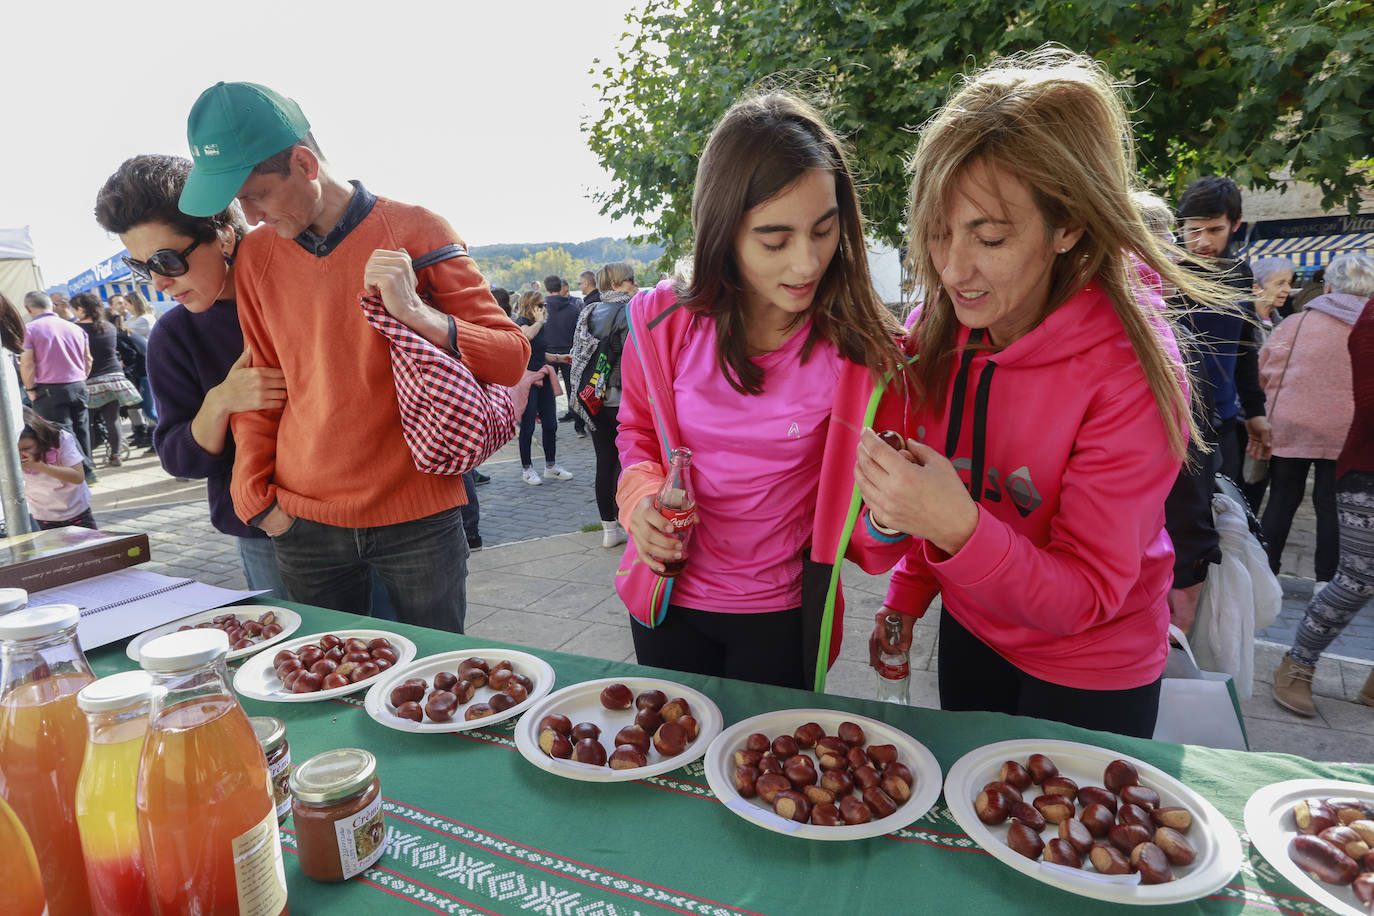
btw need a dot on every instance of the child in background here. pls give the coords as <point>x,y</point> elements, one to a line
<point>54,479</point>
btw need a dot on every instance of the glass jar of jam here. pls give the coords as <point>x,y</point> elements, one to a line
<point>337,807</point>
<point>271,734</point>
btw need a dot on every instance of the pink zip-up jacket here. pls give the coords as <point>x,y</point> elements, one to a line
<point>1068,571</point>
<point>642,462</point>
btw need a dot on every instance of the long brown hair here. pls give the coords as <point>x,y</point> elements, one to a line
<point>1053,119</point>
<point>762,145</point>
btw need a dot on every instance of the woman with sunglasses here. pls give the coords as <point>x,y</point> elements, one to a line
<point>196,359</point>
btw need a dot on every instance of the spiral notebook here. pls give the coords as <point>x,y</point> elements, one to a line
<point>129,601</point>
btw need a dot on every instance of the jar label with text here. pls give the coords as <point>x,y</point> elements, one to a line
<point>280,773</point>
<point>258,869</point>
<point>362,838</point>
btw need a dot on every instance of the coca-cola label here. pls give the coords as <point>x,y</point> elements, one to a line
<point>894,672</point>
<point>680,518</point>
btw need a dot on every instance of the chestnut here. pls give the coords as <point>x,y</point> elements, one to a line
<point>477,711</point>
<point>799,771</point>
<point>1025,813</point>
<point>381,663</point>
<point>354,644</point>
<point>464,690</point>
<point>818,795</point>
<point>289,679</point>
<point>614,696</point>
<point>323,667</point>
<point>516,691</point>
<point>1363,887</point>
<point>851,734</point>
<point>1120,774</point>
<point>1128,836</point>
<point>1152,863</point>
<point>1313,815</point>
<point>826,815</point>
<point>386,654</point>
<point>627,757</point>
<point>745,779</point>
<point>854,811</point>
<point>1061,852</point>
<point>878,801</point>
<point>1180,819</point>
<point>346,670</point>
<point>1077,835</point>
<point>500,702</point>
<point>784,746</point>
<point>267,618</point>
<point>499,679</point>
<point>901,771</point>
<point>1041,768</point>
<point>501,665</point>
<point>356,657</point>
<point>1096,795</point>
<point>381,642</point>
<point>898,788</point>
<point>333,680</point>
<point>808,734</point>
<point>769,785</point>
<point>308,682</point>
<point>1348,809</point>
<point>829,760</point>
<point>282,656</point>
<point>650,720</point>
<point>838,781</point>
<point>253,628</point>
<point>589,750</point>
<point>1176,847</point>
<point>882,754</point>
<point>478,663</point>
<point>1134,814</point>
<point>652,699</point>
<point>477,676</point>
<point>1346,839</point>
<point>1015,775</point>
<point>1001,788</point>
<point>1060,785</point>
<point>1025,841</point>
<point>770,764</point>
<point>523,681</point>
<point>832,745</point>
<point>893,439</point>
<point>335,654</point>
<point>1322,860</point>
<point>558,723</point>
<point>743,757</point>
<point>1140,796</point>
<point>1054,808</point>
<point>555,743</point>
<point>792,805</point>
<point>635,736</point>
<point>991,807</point>
<point>866,776</point>
<point>271,629</point>
<point>675,709</point>
<point>856,757</point>
<point>585,730</point>
<point>329,641</point>
<point>690,726</point>
<point>1098,818</point>
<point>413,689</point>
<point>755,742</point>
<point>309,655</point>
<point>1365,828</point>
<point>364,671</point>
<point>1108,860</point>
<point>441,706</point>
<point>410,710</point>
<point>670,739</point>
<point>288,664</point>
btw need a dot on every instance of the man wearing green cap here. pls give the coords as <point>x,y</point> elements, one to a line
<point>330,476</point>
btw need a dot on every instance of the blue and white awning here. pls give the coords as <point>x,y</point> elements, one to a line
<point>1311,251</point>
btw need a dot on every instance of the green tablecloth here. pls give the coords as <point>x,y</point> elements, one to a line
<point>475,828</point>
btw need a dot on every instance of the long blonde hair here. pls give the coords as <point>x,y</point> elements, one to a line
<point>530,300</point>
<point>1055,120</point>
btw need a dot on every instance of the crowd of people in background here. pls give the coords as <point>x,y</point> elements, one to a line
<point>1085,361</point>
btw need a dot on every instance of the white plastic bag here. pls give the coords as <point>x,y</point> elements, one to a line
<point>1240,597</point>
<point>1196,706</point>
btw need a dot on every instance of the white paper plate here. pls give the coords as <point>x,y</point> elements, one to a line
<point>582,703</point>
<point>1216,842</point>
<point>377,700</point>
<point>1269,821</point>
<point>257,679</point>
<point>290,622</point>
<point>720,772</point>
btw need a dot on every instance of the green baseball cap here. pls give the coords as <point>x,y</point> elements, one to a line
<point>233,127</point>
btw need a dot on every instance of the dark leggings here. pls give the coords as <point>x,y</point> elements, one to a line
<point>84,520</point>
<point>607,462</point>
<point>764,648</point>
<point>1287,486</point>
<point>109,418</point>
<point>975,678</point>
<point>540,403</point>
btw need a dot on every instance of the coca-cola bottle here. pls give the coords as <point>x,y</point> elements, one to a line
<point>677,502</point>
<point>894,668</point>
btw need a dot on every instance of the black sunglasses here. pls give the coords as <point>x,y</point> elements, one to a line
<point>164,261</point>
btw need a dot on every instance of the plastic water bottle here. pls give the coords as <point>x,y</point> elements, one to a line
<point>894,668</point>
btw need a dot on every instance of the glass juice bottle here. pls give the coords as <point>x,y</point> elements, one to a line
<point>116,709</point>
<point>43,740</point>
<point>21,886</point>
<point>206,814</point>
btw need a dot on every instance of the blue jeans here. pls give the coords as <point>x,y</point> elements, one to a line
<point>540,403</point>
<point>149,407</point>
<point>472,512</point>
<point>260,566</point>
<point>423,564</point>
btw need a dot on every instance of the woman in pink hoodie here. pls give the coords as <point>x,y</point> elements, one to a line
<point>1054,411</point>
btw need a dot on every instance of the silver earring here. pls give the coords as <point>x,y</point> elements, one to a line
<point>1063,251</point>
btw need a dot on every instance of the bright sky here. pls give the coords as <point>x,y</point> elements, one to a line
<point>470,109</point>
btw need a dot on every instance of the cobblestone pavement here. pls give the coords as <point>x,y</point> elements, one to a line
<point>543,582</point>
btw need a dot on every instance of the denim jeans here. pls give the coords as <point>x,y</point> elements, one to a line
<point>472,511</point>
<point>260,567</point>
<point>541,404</point>
<point>422,563</point>
<point>66,405</point>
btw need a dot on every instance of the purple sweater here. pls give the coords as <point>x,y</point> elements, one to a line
<point>188,354</point>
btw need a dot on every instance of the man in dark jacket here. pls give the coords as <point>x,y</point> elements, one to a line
<point>586,281</point>
<point>558,332</point>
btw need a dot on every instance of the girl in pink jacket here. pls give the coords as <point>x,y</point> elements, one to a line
<point>1054,414</point>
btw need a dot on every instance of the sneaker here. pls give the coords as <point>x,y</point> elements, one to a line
<point>531,476</point>
<point>475,543</point>
<point>582,433</point>
<point>567,417</point>
<point>612,535</point>
<point>555,472</point>
<point>1293,687</point>
<point>479,478</point>
<point>92,477</point>
<point>115,461</point>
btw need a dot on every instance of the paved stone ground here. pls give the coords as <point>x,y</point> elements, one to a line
<point>543,582</point>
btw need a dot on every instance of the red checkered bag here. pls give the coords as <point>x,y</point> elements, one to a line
<point>451,420</point>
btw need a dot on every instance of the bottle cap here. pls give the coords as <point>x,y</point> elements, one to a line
<point>12,599</point>
<point>333,775</point>
<point>270,730</point>
<point>36,622</point>
<point>184,649</point>
<point>117,691</point>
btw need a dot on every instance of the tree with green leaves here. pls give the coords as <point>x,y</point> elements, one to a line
<point>1253,89</point>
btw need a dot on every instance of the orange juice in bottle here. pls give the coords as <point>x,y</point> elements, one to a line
<point>206,814</point>
<point>42,742</point>
<point>21,886</point>
<point>116,709</point>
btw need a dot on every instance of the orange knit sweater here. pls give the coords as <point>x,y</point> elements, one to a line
<point>335,454</point>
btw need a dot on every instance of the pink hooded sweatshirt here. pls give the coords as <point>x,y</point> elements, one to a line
<point>1067,573</point>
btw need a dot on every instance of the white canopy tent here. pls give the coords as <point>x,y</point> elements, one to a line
<point>18,268</point>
